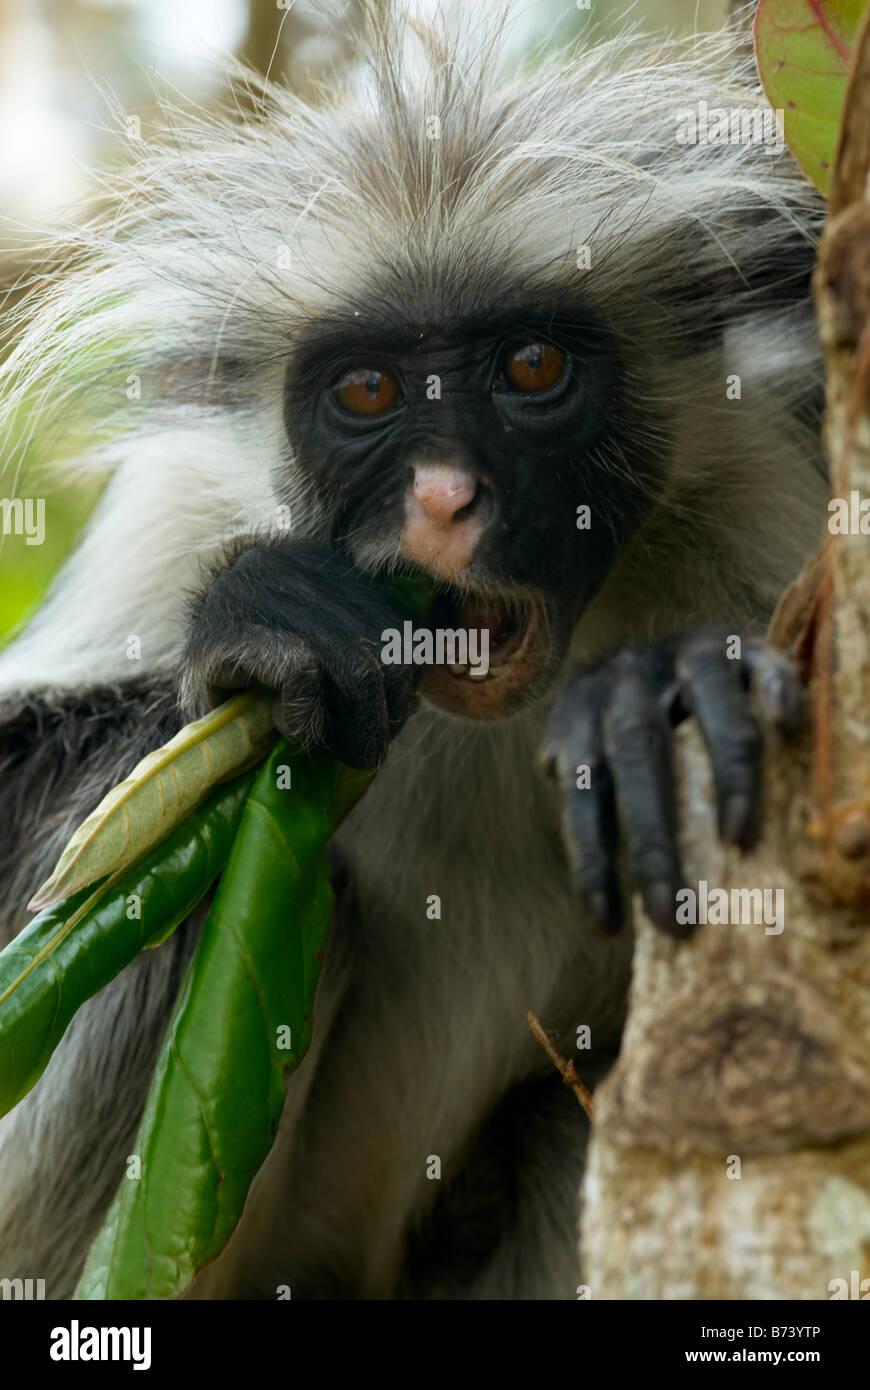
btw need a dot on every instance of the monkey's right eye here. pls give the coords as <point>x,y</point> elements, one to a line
<point>367,391</point>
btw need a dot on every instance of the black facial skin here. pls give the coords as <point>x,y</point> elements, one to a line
<point>538,455</point>
<point>301,618</point>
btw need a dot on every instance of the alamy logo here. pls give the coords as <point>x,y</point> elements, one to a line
<point>742,125</point>
<point>853,1287</point>
<point>849,517</point>
<point>463,648</point>
<point>22,1288</point>
<point>741,907</point>
<point>75,1343</point>
<point>23,516</point>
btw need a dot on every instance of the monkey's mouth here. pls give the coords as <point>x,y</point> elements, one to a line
<point>501,649</point>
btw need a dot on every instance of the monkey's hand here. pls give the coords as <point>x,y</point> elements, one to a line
<point>608,745</point>
<point>297,619</point>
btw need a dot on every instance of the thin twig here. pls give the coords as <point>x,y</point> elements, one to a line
<point>566,1070</point>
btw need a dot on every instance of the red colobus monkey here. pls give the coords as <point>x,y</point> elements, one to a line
<point>510,331</point>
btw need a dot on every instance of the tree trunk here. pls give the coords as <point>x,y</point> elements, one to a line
<point>730,1156</point>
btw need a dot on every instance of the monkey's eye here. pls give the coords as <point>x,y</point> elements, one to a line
<point>534,367</point>
<point>367,391</point>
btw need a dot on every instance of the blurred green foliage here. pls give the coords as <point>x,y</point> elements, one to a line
<point>27,570</point>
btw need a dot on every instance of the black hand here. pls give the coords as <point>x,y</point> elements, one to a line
<point>296,618</point>
<point>617,719</point>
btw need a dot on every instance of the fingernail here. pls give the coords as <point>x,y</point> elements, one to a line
<point>606,912</point>
<point>660,902</point>
<point>735,818</point>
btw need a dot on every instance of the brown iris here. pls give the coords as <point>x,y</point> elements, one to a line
<point>367,391</point>
<point>534,367</point>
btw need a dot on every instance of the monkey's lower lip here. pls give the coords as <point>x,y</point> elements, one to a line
<point>519,647</point>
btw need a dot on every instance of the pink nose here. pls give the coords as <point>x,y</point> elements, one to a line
<point>442,491</point>
<point>438,533</point>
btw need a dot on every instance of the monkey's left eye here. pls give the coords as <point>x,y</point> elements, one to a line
<point>534,367</point>
<point>367,391</point>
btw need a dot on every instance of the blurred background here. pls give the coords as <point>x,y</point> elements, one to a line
<point>58,60</point>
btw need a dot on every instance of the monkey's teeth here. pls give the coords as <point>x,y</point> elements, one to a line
<point>464,673</point>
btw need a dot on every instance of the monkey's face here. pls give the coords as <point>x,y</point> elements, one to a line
<point>493,453</point>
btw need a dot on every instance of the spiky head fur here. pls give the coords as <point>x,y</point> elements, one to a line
<point>163,342</point>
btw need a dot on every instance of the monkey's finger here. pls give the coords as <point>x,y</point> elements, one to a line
<point>358,720</point>
<point>208,677</point>
<point>592,834</point>
<point>780,697</point>
<point>299,711</point>
<point>637,744</point>
<point>714,688</point>
<point>401,693</point>
<point>573,755</point>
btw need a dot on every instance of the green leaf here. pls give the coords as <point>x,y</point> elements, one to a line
<point>70,952</point>
<point>803,49</point>
<point>160,791</point>
<point>218,1090</point>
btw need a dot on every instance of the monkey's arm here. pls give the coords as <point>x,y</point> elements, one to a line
<point>616,720</point>
<point>60,752</point>
<point>62,1149</point>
